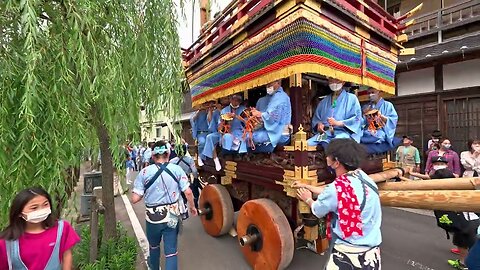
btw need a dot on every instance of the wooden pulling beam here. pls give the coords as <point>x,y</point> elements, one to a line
<point>452,194</point>
<point>470,183</point>
<point>448,200</point>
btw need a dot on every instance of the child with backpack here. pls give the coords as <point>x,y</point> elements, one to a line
<point>34,238</point>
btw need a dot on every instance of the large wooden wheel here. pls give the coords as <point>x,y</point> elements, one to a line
<point>216,210</point>
<point>265,235</point>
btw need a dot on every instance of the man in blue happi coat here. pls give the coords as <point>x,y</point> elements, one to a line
<point>199,124</point>
<point>262,103</point>
<point>379,128</point>
<point>232,141</point>
<point>338,115</point>
<point>213,138</point>
<point>275,111</point>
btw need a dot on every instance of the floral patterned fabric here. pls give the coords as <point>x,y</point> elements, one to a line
<point>349,212</point>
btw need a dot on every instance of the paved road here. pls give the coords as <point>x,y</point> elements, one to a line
<point>411,240</point>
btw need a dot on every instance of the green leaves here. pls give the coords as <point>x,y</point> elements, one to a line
<point>57,58</point>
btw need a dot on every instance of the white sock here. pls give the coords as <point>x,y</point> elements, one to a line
<point>218,166</point>
<point>200,162</point>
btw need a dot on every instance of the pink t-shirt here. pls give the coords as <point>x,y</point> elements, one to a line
<point>36,249</point>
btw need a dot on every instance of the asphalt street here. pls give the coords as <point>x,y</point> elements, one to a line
<point>411,240</point>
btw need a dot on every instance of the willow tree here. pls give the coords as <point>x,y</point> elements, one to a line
<point>75,73</point>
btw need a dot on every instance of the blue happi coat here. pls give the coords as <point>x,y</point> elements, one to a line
<point>262,103</point>
<point>385,134</point>
<point>276,116</point>
<point>200,128</point>
<point>213,138</point>
<point>234,140</point>
<point>346,109</point>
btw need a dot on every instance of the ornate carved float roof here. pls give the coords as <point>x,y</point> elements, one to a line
<point>253,43</point>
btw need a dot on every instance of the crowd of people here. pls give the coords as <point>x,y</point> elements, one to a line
<point>444,162</point>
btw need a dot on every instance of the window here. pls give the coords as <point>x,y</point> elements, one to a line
<point>159,132</point>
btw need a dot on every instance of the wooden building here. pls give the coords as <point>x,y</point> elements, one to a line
<point>438,87</point>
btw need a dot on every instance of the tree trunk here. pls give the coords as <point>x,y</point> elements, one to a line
<point>110,229</point>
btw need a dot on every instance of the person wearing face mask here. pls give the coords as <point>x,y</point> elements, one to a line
<point>446,152</point>
<point>34,238</point>
<point>338,115</point>
<point>379,139</point>
<point>438,163</point>
<point>234,140</point>
<point>352,205</point>
<point>471,159</point>
<point>213,138</point>
<point>276,115</point>
<point>434,141</point>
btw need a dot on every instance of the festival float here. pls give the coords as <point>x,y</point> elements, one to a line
<point>300,42</point>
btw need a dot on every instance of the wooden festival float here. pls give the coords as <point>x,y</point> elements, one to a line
<point>252,43</point>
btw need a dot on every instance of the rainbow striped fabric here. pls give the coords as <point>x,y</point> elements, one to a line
<point>296,46</point>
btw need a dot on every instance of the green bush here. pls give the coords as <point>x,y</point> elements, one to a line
<point>116,254</point>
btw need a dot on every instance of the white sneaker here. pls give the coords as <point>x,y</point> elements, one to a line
<point>200,162</point>
<point>218,166</point>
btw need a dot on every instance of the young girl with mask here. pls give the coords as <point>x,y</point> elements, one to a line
<point>446,152</point>
<point>34,239</point>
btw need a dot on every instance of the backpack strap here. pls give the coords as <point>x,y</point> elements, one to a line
<point>162,168</point>
<point>180,159</point>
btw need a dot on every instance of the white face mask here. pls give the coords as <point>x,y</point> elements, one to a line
<point>476,148</point>
<point>270,90</point>
<point>37,216</point>
<point>235,107</point>
<point>439,167</point>
<point>447,146</point>
<point>335,86</point>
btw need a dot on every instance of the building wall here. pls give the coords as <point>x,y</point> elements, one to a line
<point>416,82</point>
<point>461,75</point>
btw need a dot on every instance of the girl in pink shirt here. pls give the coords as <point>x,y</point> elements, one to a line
<point>34,238</point>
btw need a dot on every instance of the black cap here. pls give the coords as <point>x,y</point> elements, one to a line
<point>437,134</point>
<point>439,159</point>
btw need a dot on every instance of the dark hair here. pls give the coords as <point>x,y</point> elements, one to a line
<point>347,151</point>
<point>442,174</point>
<point>443,139</point>
<point>16,226</point>
<point>470,142</point>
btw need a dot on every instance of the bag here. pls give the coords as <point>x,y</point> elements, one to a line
<point>450,221</point>
<point>181,204</point>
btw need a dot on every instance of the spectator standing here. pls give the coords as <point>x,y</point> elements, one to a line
<point>446,152</point>
<point>471,159</point>
<point>408,156</point>
<point>34,238</point>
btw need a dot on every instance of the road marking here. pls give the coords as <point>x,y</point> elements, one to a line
<point>418,265</point>
<point>137,228</point>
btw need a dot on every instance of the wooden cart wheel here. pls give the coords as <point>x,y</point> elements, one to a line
<point>265,235</point>
<point>216,210</point>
